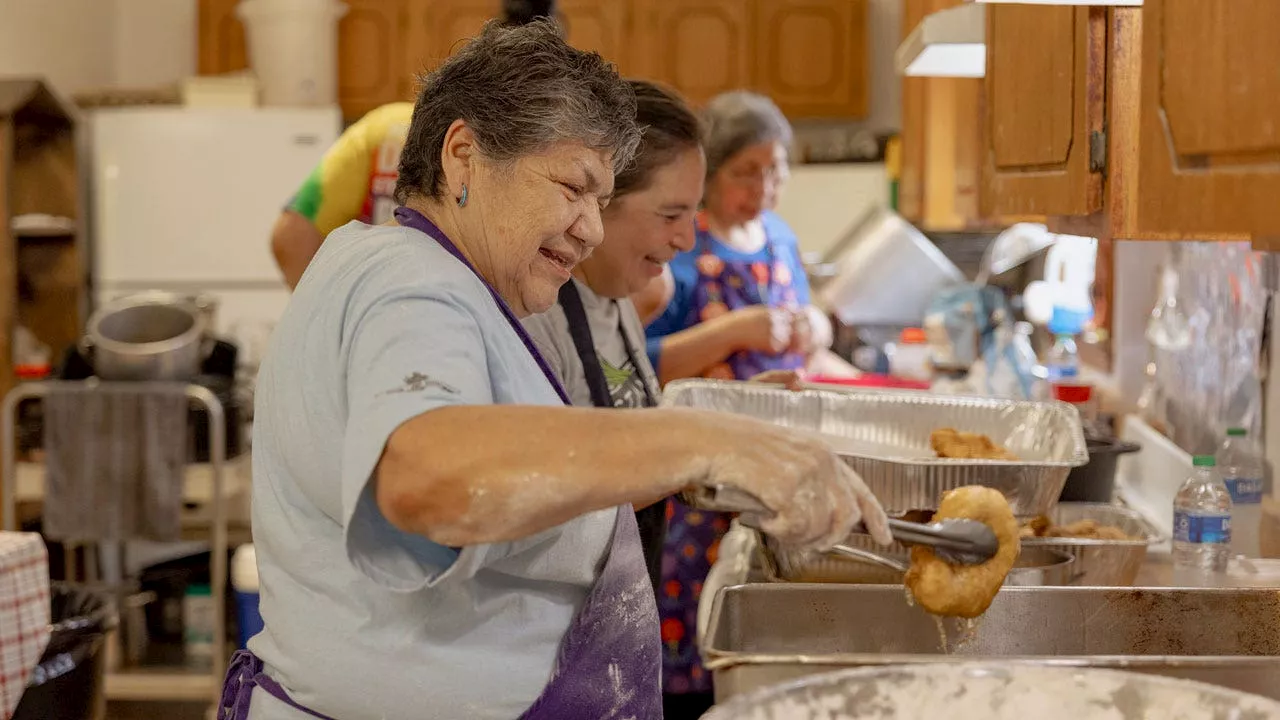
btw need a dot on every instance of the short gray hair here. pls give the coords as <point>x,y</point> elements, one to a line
<point>737,120</point>
<point>520,90</point>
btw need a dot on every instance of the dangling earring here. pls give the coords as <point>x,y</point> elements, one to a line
<point>462,201</point>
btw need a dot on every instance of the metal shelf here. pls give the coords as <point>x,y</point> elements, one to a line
<point>148,684</point>
<point>162,685</point>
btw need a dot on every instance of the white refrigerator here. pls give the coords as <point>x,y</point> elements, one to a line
<point>185,200</point>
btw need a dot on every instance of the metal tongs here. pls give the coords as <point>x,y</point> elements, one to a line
<point>959,542</point>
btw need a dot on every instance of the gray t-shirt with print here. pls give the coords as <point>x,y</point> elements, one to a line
<point>627,375</point>
<point>364,621</point>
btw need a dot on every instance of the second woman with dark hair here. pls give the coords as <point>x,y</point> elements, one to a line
<point>592,337</point>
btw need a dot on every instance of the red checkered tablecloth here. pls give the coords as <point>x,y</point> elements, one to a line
<point>24,613</point>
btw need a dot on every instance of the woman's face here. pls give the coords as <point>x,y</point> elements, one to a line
<point>747,183</point>
<point>646,228</point>
<point>535,219</point>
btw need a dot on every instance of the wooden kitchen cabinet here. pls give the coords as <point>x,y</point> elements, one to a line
<point>373,49</point>
<point>942,142</point>
<point>220,42</point>
<point>912,133</point>
<point>437,28</point>
<point>1045,87</point>
<point>603,27</point>
<point>374,40</point>
<point>1160,122</point>
<point>700,47</point>
<point>1209,119</point>
<point>811,57</point>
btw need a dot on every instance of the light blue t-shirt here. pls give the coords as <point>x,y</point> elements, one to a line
<point>362,620</point>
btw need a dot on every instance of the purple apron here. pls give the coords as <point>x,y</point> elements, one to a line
<point>609,662</point>
<point>726,285</point>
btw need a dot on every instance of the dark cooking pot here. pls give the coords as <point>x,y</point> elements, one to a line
<point>1095,481</point>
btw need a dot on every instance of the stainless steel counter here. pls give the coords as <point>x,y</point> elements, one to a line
<point>763,634</point>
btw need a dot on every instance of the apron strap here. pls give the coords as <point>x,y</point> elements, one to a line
<point>651,521</point>
<point>244,673</point>
<point>580,331</point>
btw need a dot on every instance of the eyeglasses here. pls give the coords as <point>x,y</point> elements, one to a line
<point>752,174</point>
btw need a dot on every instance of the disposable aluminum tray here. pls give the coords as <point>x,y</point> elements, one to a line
<point>884,436</point>
<point>1103,563</point>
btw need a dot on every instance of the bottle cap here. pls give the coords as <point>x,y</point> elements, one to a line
<point>1203,461</point>
<point>913,336</point>
<point>1237,432</point>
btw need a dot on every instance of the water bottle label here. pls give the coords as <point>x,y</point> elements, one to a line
<point>1244,491</point>
<point>1201,527</point>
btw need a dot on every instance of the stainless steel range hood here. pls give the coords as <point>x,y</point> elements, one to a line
<point>947,43</point>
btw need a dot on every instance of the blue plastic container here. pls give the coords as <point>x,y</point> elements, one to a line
<point>244,580</point>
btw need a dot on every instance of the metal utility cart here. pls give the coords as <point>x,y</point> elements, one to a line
<point>147,683</point>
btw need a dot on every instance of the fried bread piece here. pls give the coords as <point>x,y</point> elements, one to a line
<point>951,443</point>
<point>965,590</point>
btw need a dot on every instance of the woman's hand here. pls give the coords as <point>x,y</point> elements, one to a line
<point>815,498</point>
<point>760,328</point>
<point>810,331</point>
<point>789,378</point>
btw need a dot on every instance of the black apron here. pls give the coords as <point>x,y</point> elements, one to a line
<point>652,520</point>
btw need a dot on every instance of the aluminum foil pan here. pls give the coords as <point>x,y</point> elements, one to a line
<point>884,436</point>
<point>993,692</point>
<point>1103,563</point>
<point>1035,567</point>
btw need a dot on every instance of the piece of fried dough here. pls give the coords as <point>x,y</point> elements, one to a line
<point>951,443</point>
<point>965,590</point>
<point>1087,530</point>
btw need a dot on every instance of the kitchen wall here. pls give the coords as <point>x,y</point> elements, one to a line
<point>823,202</point>
<point>81,45</point>
<point>1136,268</point>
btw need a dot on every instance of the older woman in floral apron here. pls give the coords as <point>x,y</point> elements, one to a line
<point>743,287</point>
<point>437,535</point>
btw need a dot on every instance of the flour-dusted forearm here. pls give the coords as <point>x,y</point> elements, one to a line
<point>468,475</point>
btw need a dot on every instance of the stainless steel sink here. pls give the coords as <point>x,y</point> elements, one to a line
<point>766,633</point>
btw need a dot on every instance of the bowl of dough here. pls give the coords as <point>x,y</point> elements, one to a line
<point>993,692</point>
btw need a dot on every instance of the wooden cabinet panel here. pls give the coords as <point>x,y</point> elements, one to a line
<point>701,47</point>
<point>220,42</point>
<point>812,56</point>
<point>1209,119</point>
<point>1032,94</point>
<point>1045,87</point>
<point>942,142</point>
<point>914,113</point>
<point>372,55</point>
<point>438,27</point>
<point>602,27</point>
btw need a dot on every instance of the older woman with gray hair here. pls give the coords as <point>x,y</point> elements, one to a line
<point>738,306</point>
<point>438,535</point>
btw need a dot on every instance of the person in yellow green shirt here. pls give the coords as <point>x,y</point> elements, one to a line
<point>357,176</point>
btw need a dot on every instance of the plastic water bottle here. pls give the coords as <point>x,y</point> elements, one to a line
<point>1201,523</point>
<point>1063,361</point>
<point>1242,473</point>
